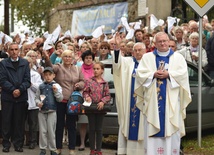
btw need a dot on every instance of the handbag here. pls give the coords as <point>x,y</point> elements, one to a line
<point>74,103</point>
<point>93,107</point>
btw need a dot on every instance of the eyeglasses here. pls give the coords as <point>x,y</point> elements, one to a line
<point>33,56</point>
<point>67,57</point>
<point>138,50</point>
<point>193,38</point>
<point>104,48</point>
<point>162,41</point>
<point>14,49</point>
<point>84,46</point>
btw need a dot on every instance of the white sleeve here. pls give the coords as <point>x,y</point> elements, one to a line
<point>149,81</point>
<point>173,83</point>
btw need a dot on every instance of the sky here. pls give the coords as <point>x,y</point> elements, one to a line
<point>1,12</point>
<point>17,26</point>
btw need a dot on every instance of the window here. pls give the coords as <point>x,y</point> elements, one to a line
<point>109,77</point>
<point>193,76</point>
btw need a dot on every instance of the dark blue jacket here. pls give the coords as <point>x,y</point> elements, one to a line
<point>11,79</point>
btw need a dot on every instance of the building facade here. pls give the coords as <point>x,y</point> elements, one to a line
<point>137,10</point>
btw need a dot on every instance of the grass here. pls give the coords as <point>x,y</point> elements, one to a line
<point>190,143</point>
<point>191,147</point>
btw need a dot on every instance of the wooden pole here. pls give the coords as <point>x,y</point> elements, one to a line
<point>6,17</point>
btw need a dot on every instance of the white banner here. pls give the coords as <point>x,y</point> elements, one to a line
<point>85,21</point>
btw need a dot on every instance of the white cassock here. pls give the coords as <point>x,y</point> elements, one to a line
<point>122,74</point>
<point>177,99</point>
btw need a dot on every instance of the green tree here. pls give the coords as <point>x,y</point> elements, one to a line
<point>1,27</point>
<point>34,13</point>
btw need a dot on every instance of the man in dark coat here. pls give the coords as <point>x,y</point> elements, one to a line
<point>14,81</point>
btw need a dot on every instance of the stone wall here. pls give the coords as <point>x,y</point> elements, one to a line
<point>63,14</point>
<point>160,8</point>
<point>63,17</point>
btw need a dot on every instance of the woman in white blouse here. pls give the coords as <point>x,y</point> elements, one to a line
<point>191,53</point>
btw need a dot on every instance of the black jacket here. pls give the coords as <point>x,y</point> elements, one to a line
<point>210,53</point>
<point>11,79</point>
<point>3,55</point>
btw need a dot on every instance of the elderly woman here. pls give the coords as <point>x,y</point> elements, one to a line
<point>129,47</point>
<point>191,53</point>
<point>25,48</point>
<point>104,50</point>
<point>179,37</point>
<point>70,78</point>
<point>33,110</point>
<point>36,64</point>
<point>84,46</point>
<point>70,46</point>
<point>33,55</point>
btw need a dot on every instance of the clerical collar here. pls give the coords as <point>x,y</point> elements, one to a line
<point>135,60</point>
<point>14,60</point>
<point>163,53</point>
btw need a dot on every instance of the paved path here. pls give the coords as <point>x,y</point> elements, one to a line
<point>65,151</point>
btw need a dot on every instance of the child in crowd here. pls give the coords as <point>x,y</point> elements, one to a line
<point>48,94</point>
<point>96,91</point>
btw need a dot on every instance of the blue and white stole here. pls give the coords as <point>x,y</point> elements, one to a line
<point>134,111</point>
<point>162,63</point>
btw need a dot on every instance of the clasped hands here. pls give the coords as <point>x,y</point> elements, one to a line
<point>194,57</point>
<point>16,93</point>
<point>161,74</point>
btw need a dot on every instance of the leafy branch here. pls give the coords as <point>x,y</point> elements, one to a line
<point>34,13</point>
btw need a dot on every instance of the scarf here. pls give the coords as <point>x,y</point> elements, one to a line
<point>87,70</point>
<point>194,49</point>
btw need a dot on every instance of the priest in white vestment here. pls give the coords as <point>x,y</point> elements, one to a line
<point>130,137</point>
<point>163,93</point>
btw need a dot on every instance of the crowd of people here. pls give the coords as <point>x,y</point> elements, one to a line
<point>150,79</point>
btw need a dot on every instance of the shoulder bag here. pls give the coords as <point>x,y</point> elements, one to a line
<point>93,107</point>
